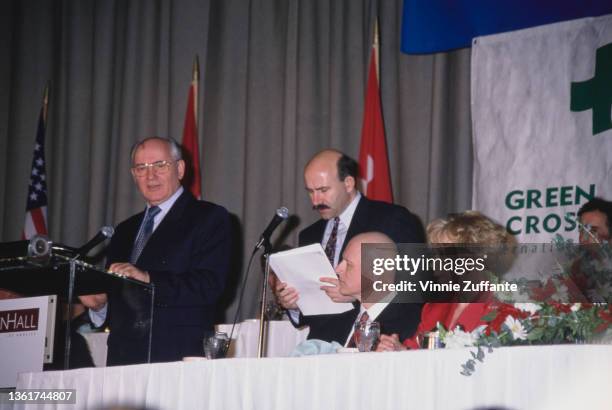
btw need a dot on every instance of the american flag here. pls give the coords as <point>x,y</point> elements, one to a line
<point>36,208</point>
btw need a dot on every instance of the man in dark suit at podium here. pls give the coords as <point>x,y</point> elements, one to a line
<point>330,178</point>
<point>179,245</point>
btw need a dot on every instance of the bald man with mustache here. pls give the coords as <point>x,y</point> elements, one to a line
<point>330,178</point>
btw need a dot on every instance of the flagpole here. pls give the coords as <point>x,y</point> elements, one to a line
<point>45,104</point>
<point>191,137</point>
<point>375,46</point>
<point>195,81</point>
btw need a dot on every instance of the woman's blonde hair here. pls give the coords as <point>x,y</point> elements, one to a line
<point>469,227</point>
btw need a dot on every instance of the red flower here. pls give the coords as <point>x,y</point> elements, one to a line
<point>503,311</point>
<point>606,316</point>
<point>561,307</point>
<point>543,293</point>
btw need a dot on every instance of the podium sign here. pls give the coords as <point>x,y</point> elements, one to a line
<point>38,268</point>
<point>23,330</point>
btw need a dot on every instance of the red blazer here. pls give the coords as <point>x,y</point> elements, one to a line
<point>433,313</point>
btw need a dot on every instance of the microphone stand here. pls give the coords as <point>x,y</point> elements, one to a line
<point>264,294</point>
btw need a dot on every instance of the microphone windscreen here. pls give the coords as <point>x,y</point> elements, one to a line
<point>107,231</point>
<point>282,212</point>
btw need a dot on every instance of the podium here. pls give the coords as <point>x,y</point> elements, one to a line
<point>38,268</point>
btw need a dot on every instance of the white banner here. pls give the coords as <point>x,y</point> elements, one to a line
<point>541,111</point>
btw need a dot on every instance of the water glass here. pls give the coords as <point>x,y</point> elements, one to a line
<point>366,335</point>
<point>215,347</point>
<point>430,340</point>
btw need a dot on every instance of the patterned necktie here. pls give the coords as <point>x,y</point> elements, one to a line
<point>330,247</point>
<point>145,231</point>
<point>362,321</point>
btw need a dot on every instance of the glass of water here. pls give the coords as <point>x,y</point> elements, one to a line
<point>215,346</point>
<point>366,335</point>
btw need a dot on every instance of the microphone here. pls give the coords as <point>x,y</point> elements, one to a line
<point>39,246</point>
<point>104,233</point>
<point>281,214</point>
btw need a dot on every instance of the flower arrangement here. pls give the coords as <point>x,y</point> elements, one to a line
<point>546,320</point>
<point>532,324</point>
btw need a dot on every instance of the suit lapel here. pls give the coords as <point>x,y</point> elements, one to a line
<point>313,234</point>
<point>386,313</point>
<point>319,231</point>
<point>167,226</point>
<point>358,223</point>
<point>130,237</point>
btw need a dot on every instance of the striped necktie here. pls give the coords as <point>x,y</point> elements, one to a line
<point>330,247</point>
<point>145,231</point>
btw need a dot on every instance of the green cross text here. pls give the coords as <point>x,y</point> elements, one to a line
<point>596,93</point>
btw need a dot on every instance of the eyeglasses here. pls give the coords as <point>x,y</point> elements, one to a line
<point>158,168</point>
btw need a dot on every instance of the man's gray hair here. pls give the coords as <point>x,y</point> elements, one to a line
<point>175,148</point>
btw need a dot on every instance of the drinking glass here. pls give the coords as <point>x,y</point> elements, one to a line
<point>366,335</point>
<point>431,340</point>
<point>215,347</point>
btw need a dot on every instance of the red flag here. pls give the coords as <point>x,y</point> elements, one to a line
<point>373,161</point>
<point>190,136</point>
<point>36,207</point>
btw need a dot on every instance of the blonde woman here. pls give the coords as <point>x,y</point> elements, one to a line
<point>471,228</point>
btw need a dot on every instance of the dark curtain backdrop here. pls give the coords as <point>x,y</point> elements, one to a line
<point>280,80</point>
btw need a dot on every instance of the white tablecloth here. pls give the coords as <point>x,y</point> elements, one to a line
<point>532,377</point>
<point>282,339</point>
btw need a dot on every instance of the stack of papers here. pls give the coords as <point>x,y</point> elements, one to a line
<point>301,268</point>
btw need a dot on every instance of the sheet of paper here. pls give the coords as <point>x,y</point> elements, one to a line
<point>301,268</point>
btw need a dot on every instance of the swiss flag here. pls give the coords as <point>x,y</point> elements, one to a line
<point>190,138</point>
<point>373,160</point>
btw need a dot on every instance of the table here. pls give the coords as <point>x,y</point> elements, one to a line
<point>526,377</point>
<point>282,339</point>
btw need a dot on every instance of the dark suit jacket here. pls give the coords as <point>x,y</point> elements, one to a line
<point>187,258</point>
<point>394,221</point>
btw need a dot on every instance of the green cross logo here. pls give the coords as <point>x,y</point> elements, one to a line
<point>596,93</point>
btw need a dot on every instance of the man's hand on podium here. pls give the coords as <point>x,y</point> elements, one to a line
<point>130,271</point>
<point>94,302</point>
